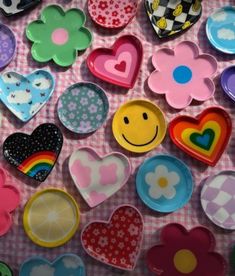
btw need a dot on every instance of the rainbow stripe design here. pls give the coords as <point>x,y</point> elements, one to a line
<point>40,161</point>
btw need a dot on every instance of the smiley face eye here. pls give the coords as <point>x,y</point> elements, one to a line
<point>145,116</point>
<point>126,120</point>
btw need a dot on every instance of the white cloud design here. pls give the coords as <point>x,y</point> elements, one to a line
<point>219,16</point>
<point>42,270</point>
<point>71,262</point>
<point>19,97</point>
<point>10,78</point>
<point>41,83</point>
<point>226,34</point>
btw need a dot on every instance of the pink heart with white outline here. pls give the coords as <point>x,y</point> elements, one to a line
<point>97,178</point>
<point>119,65</point>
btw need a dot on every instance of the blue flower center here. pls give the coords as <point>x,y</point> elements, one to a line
<point>182,74</point>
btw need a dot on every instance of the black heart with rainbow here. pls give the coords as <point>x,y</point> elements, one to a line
<point>34,155</point>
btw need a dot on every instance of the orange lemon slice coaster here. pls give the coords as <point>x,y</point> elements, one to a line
<point>51,217</point>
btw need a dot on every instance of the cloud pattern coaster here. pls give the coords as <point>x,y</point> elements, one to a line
<point>169,17</point>
<point>34,155</point>
<point>64,265</point>
<point>218,199</point>
<point>97,178</point>
<point>83,107</point>
<point>220,29</point>
<point>11,7</point>
<point>26,95</point>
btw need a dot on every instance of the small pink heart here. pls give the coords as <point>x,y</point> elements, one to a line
<point>97,178</point>
<point>119,65</point>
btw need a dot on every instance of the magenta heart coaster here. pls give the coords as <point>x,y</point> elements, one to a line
<point>120,64</point>
<point>97,178</point>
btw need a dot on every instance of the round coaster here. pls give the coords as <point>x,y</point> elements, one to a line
<point>51,217</point>
<point>139,125</point>
<point>164,183</point>
<point>218,199</point>
<point>5,270</point>
<point>227,81</point>
<point>7,45</point>
<point>220,29</point>
<point>83,107</point>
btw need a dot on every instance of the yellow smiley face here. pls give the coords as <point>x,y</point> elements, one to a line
<point>139,126</point>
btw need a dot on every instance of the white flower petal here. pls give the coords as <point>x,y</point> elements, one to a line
<point>155,192</point>
<point>161,171</point>
<point>150,178</point>
<point>173,178</point>
<point>169,192</point>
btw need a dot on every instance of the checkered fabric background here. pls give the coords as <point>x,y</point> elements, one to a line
<point>15,247</point>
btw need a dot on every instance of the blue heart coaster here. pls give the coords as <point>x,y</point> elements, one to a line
<point>64,265</point>
<point>26,95</point>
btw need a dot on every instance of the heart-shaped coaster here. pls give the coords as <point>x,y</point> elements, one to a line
<point>97,178</point>
<point>120,64</point>
<point>10,7</point>
<point>64,265</point>
<point>169,17</point>
<point>117,242</point>
<point>204,137</point>
<point>34,155</point>
<point>26,95</point>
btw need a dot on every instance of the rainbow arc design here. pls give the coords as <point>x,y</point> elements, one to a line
<point>40,161</point>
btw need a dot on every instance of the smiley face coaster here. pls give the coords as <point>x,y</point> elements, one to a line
<point>139,126</point>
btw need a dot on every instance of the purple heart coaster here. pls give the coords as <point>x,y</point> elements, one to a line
<point>7,45</point>
<point>227,81</point>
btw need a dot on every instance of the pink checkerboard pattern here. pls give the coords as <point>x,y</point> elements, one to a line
<point>15,247</point>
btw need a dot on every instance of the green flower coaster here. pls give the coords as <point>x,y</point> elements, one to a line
<point>58,35</point>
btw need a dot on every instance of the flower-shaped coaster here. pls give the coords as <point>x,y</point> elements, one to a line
<point>58,35</point>
<point>218,199</point>
<point>169,17</point>
<point>83,107</point>
<point>51,217</point>
<point>183,252</point>
<point>7,45</point>
<point>116,242</point>
<point>64,265</point>
<point>9,201</point>
<point>204,137</point>
<point>164,183</point>
<point>5,270</point>
<point>26,95</point>
<point>112,14</point>
<point>97,178</point>
<point>183,74</point>
<point>10,7</point>
<point>34,155</point>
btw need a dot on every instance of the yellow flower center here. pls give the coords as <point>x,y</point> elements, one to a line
<point>185,261</point>
<point>162,182</point>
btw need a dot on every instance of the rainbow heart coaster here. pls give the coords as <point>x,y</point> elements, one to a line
<point>204,137</point>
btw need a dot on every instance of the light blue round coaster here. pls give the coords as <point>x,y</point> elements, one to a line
<point>164,183</point>
<point>83,107</point>
<point>220,29</point>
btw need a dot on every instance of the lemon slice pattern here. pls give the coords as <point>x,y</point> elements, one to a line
<point>51,217</point>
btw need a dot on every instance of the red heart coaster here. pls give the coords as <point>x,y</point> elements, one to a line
<point>119,65</point>
<point>117,242</point>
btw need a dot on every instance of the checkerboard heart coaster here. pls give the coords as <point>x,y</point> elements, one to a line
<point>169,17</point>
<point>97,178</point>
<point>204,137</point>
<point>117,242</point>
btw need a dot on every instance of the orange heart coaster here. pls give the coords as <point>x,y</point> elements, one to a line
<point>204,137</point>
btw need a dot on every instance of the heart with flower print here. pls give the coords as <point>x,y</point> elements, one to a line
<point>120,64</point>
<point>117,242</point>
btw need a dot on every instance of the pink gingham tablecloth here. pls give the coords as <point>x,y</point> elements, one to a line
<point>15,247</point>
